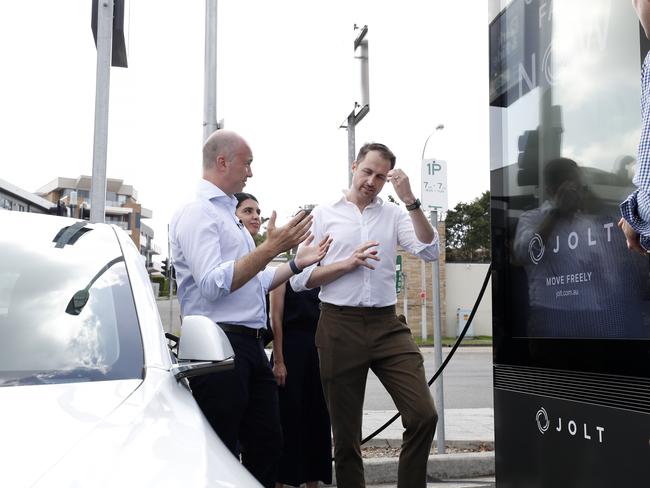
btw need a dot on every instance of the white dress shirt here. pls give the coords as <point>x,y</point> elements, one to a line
<point>206,240</point>
<point>385,223</point>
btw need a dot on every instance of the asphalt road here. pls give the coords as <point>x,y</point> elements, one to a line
<point>467,380</point>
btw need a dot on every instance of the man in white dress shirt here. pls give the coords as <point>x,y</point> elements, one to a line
<point>358,327</point>
<point>221,275</point>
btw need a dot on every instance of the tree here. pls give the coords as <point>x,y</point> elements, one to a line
<point>468,231</point>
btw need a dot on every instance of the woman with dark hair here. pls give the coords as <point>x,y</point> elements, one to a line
<point>307,451</point>
<point>248,212</point>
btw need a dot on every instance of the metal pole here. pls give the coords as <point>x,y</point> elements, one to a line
<point>406,293</point>
<point>437,350</point>
<point>351,145</point>
<point>423,300</point>
<point>102,88</point>
<point>171,283</point>
<point>423,267</point>
<point>210,70</point>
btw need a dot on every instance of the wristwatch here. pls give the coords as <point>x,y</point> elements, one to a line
<point>414,206</point>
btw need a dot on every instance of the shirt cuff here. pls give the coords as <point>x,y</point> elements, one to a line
<point>299,281</point>
<point>630,212</point>
<point>222,277</point>
<point>267,275</point>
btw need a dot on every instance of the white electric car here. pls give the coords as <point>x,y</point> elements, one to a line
<point>90,394</point>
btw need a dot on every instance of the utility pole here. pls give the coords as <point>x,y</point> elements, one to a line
<point>210,70</point>
<point>103,77</point>
<point>362,105</point>
<point>107,23</point>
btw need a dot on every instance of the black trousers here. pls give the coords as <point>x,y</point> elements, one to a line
<point>242,407</point>
<point>307,451</point>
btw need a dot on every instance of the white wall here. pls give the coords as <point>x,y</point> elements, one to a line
<point>464,282</point>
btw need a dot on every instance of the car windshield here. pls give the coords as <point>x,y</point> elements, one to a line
<point>66,312</point>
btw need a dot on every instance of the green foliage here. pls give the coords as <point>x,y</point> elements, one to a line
<point>468,231</point>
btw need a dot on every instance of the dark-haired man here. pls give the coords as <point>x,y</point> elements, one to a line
<point>358,327</point>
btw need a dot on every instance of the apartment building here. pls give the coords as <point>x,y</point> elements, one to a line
<point>17,199</point>
<point>122,208</point>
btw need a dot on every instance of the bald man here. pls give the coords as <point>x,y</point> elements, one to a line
<point>221,275</point>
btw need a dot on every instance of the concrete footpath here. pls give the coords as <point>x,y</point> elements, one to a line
<point>470,428</point>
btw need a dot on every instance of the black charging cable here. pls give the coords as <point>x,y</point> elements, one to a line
<point>447,359</point>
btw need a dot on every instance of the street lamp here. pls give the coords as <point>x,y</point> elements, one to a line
<point>438,127</point>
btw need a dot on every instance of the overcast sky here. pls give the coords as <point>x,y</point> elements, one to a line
<point>285,82</point>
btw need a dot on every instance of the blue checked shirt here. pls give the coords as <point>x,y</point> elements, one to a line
<point>636,208</point>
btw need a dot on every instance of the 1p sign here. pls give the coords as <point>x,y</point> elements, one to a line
<point>434,185</point>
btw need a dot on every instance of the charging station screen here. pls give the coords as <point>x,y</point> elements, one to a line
<point>565,122</point>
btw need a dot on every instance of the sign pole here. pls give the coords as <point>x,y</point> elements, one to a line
<point>437,347</point>
<point>434,198</point>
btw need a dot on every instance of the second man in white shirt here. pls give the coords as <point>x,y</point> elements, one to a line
<point>358,327</point>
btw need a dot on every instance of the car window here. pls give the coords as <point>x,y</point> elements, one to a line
<point>66,315</point>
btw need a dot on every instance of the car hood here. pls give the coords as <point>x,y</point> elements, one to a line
<point>41,423</point>
<point>110,434</point>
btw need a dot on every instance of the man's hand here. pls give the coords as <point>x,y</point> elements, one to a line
<point>280,373</point>
<point>632,238</point>
<point>288,236</point>
<point>308,255</point>
<point>401,185</point>
<point>361,255</point>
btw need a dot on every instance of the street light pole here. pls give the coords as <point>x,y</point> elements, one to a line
<point>437,327</point>
<point>423,300</point>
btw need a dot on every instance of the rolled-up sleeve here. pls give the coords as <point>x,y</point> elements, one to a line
<point>199,239</point>
<point>266,277</point>
<point>299,281</point>
<point>635,210</point>
<point>408,240</point>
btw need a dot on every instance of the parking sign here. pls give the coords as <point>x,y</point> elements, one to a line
<point>434,185</point>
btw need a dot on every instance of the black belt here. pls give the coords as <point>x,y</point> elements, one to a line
<point>242,329</point>
<point>389,309</point>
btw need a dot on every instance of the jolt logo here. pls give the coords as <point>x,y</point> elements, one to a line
<point>570,427</point>
<point>542,420</point>
<point>536,249</point>
<point>575,239</point>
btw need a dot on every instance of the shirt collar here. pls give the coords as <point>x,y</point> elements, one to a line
<point>212,192</point>
<point>377,202</point>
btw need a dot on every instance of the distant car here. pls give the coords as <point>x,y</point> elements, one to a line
<point>90,394</point>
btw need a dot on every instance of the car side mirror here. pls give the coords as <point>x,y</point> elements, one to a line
<point>203,348</point>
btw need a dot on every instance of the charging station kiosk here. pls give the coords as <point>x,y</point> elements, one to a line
<point>571,304</point>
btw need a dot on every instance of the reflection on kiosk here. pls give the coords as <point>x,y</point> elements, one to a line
<point>581,281</point>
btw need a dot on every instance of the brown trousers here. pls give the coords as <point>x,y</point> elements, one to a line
<point>351,340</point>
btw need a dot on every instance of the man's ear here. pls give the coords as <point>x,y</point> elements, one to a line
<point>221,162</point>
<point>353,167</point>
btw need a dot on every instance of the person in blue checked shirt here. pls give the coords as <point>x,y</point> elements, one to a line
<point>635,222</point>
<point>223,276</point>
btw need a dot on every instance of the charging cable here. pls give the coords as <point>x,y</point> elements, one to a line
<point>447,359</point>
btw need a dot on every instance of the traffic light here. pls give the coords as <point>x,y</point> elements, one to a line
<point>164,268</point>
